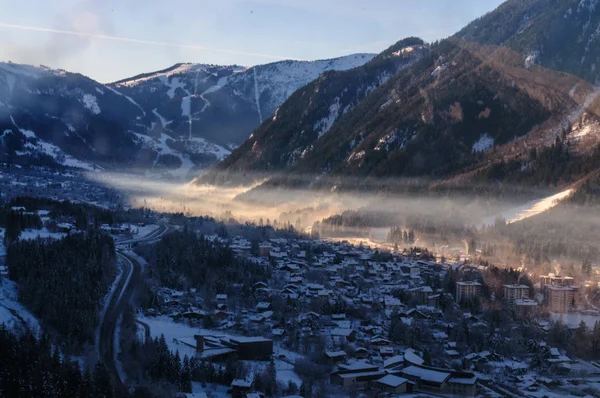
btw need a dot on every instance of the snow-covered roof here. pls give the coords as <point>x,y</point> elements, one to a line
<point>434,376</point>
<point>392,381</point>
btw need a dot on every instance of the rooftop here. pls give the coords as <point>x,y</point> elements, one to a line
<point>392,381</point>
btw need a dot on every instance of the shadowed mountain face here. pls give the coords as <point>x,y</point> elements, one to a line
<point>563,35</point>
<point>172,121</point>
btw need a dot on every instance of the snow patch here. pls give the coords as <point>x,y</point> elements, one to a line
<point>531,59</point>
<point>257,96</point>
<point>323,125</point>
<point>9,303</point>
<point>484,143</point>
<point>91,102</point>
<point>530,209</point>
<point>173,85</point>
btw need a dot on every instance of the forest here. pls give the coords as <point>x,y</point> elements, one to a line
<point>64,281</point>
<point>183,260</point>
<point>32,368</point>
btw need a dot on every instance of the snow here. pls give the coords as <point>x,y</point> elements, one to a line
<point>140,232</point>
<point>173,85</point>
<point>438,71</point>
<point>531,59</point>
<point>385,141</point>
<point>163,121</point>
<point>586,130</point>
<point>484,143</point>
<point>257,96</point>
<point>43,233</point>
<point>530,209</point>
<point>173,332</point>
<point>25,70</point>
<point>107,300</point>
<point>91,102</point>
<point>572,319</point>
<point>10,81</point>
<point>356,156</point>
<point>323,126</point>
<point>117,349</point>
<point>53,151</point>
<point>9,302</point>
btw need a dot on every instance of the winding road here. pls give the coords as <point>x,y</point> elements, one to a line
<point>131,277</point>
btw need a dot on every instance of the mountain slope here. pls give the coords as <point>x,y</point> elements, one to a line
<point>223,104</point>
<point>283,140</point>
<point>559,34</point>
<point>170,122</point>
<point>61,116</point>
<point>439,118</point>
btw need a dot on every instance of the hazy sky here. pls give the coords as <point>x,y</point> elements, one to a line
<point>112,39</point>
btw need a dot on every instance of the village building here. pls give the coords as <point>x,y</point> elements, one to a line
<point>513,293</point>
<point>467,290</point>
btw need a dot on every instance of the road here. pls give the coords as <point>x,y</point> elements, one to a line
<point>132,274</point>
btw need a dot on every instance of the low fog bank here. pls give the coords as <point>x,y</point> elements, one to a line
<point>552,227</point>
<point>302,207</point>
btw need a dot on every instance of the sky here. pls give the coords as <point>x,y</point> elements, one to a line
<point>108,40</point>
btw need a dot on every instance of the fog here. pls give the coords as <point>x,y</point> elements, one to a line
<point>257,201</point>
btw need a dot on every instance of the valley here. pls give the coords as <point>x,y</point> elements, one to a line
<point>418,218</point>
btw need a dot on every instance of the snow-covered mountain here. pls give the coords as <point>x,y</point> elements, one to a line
<point>223,104</point>
<point>172,121</point>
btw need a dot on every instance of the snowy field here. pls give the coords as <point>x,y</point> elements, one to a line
<point>574,319</point>
<point>529,209</point>
<point>140,232</point>
<point>13,313</point>
<point>175,333</point>
<point>41,233</point>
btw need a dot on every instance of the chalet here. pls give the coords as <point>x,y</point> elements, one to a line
<point>441,381</point>
<point>335,357</point>
<point>356,375</point>
<point>240,388</point>
<point>393,362</point>
<point>221,298</point>
<point>361,353</point>
<point>392,384</point>
<point>386,351</point>
<point>346,334</point>
<point>261,285</point>
<point>263,306</point>
<point>277,332</point>
<point>289,267</point>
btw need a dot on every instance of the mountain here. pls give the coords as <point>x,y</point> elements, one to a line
<point>502,101</point>
<point>283,140</point>
<point>173,121</point>
<point>55,117</point>
<point>223,104</point>
<point>563,35</point>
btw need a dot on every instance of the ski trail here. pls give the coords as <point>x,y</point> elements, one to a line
<point>127,98</point>
<point>257,96</point>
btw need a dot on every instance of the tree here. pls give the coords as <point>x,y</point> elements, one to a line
<point>101,379</point>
